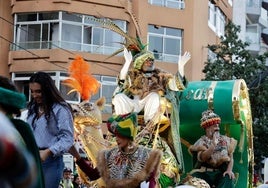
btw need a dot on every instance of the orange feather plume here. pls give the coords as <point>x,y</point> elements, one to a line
<point>81,80</point>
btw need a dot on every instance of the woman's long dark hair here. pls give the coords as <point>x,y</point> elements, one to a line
<point>50,94</point>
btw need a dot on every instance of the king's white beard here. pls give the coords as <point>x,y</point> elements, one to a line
<point>67,183</point>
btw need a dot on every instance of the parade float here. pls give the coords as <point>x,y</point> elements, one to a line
<point>228,98</point>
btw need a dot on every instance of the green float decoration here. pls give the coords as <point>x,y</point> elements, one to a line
<point>230,100</point>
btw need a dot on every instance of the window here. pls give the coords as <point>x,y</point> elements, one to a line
<point>220,23</point>
<point>71,36</point>
<point>108,86</point>
<point>178,4</point>
<point>253,3</point>
<point>212,16</point>
<point>65,30</point>
<point>253,34</point>
<point>165,43</point>
<point>106,41</point>
<point>216,19</point>
<point>211,56</point>
<point>35,31</point>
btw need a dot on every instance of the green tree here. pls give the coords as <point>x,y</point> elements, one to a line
<point>234,61</point>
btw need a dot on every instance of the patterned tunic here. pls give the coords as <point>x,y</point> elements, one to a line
<point>221,154</point>
<point>125,165</point>
<point>120,169</point>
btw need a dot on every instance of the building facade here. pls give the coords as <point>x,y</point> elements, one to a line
<point>46,35</point>
<point>252,17</point>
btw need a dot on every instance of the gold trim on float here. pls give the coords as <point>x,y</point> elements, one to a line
<point>241,108</point>
<point>210,95</point>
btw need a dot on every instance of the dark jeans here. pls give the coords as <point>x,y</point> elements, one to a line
<point>53,171</point>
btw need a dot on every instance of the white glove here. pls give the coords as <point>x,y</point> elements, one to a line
<point>144,184</point>
<point>182,62</point>
<point>128,60</point>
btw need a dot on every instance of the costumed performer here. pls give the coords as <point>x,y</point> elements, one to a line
<point>127,164</point>
<point>149,89</point>
<point>214,153</point>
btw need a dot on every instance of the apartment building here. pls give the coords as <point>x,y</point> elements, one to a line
<point>252,17</point>
<point>46,35</point>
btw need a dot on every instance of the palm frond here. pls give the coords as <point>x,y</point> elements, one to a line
<point>128,9</point>
<point>109,24</point>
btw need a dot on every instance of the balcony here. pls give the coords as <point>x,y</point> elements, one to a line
<point>263,19</point>
<point>265,4</point>
<point>264,35</point>
<point>177,4</point>
<point>253,33</point>
<point>253,10</point>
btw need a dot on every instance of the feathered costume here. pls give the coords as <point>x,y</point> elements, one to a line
<point>81,80</point>
<point>88,116</point>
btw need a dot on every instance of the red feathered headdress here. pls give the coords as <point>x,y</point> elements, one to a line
<point>81,80</point>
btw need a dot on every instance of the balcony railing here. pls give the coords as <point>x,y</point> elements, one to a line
<point>178,4</point>
<point>65,45</point>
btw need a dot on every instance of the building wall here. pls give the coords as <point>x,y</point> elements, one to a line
<point>6,35</point>
<point>193,20</point>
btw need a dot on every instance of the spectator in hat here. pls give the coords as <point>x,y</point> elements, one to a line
<point>17,166</point>
<point>214,153</point>
<point>127,164</point>
<point>77,182</point>
<point>66,181</point>
<point>11,103</point>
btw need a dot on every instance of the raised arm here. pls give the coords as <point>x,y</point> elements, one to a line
<point>179,82</point>
<point>182,62</point>
<point>128,60</point>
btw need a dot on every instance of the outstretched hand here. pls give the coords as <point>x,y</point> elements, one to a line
<point>128,56</point>
<point>87,167</point>
<point>128,59</point>
<point>182,62</point>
